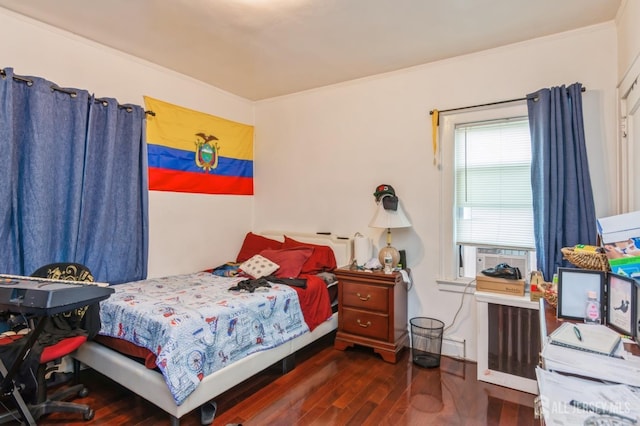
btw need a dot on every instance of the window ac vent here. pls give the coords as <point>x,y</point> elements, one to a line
<point>488,257</point>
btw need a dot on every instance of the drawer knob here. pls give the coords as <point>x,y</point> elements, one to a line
<point>363,325</point>
<point>364,299</point>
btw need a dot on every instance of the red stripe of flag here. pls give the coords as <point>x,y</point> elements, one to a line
<point>202,183</point>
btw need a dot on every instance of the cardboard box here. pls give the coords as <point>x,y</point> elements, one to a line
<point>535,293</point>
<point>620,236</point>
<point>535,286</point>
<point>617,228</point>
<point>500,285</point>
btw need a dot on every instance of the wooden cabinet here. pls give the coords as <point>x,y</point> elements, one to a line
<point>372,311</point>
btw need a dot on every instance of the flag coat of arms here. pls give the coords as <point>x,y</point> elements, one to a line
<point>190,151</point>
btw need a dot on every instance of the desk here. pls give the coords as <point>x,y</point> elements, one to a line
<point>560,390</point>
<point>549,322</point>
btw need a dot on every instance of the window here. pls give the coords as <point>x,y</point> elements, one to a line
<point>486,191</point>
<point>493,184</point>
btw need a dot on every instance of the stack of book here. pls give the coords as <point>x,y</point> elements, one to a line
<point>593,351</point>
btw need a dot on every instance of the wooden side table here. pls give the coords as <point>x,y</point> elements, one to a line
<point>372,311</point>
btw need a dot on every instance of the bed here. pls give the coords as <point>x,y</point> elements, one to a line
<point>155,385</point>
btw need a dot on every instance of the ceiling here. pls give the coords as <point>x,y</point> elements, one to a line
<point>259,49</point>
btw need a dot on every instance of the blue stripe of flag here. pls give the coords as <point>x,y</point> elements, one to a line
<point>181,160</point>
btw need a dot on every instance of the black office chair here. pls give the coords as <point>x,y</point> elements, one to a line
<point>51,354</point>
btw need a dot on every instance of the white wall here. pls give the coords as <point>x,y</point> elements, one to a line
<point>628,30</point>
<point>322,152</point>
<point>186,230</point>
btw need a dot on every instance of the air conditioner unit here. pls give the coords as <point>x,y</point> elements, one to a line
<point>488,257</point>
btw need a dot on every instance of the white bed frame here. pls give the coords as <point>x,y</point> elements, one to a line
<point>150,384</point>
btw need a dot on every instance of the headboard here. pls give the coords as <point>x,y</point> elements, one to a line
<point>342,247</point>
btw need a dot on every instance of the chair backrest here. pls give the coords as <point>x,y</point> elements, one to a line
<point>87,317</point>
<point>64,271</point>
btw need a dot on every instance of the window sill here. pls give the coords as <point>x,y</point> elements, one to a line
<point>457,286</point>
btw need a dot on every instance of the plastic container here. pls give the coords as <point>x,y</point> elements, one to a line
<point>426,341</point>
<point>592,309</point>
<point>388,263</point>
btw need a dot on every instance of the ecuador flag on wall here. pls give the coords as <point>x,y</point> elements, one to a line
<point>190,151</point>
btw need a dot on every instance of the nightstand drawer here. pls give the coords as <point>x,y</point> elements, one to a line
<point>365,296</point>
<point>365,323</point>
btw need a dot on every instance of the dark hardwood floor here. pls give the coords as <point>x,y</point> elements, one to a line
<point>330,387</point>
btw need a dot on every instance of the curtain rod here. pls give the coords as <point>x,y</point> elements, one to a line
<point>69,92</point>
<point>487,104</point>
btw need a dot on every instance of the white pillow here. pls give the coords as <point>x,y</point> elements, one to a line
<point>258,266</point>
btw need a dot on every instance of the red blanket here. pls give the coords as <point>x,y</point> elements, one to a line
<point>314,301</point>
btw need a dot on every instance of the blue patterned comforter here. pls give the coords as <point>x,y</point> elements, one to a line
<point>196,326</point>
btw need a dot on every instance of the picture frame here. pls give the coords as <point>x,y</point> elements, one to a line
<point>637,316</point>
<point>622,304</point>
<point>573,286</point>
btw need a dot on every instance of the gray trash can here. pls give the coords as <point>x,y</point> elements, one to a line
<point>426,341</point>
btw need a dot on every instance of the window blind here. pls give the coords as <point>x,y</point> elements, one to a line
<point>493,202</point>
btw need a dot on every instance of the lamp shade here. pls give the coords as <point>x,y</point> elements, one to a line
<point>389,218</point>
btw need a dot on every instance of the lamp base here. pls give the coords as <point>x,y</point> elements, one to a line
<point>387,253</point>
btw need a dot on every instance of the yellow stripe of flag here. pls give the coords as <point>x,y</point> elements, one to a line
<point>176,127</point>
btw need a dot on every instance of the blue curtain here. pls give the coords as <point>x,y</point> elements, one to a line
<point>563,206</point>
<point>114,193</point>
<point>73,187</point>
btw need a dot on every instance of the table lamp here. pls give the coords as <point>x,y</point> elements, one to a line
<point>388,218</point>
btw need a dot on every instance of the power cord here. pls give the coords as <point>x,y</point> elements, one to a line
<point>464,292</point>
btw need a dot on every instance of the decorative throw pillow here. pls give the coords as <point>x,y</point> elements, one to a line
<point>258,266</point>
<point>254,244</point>
<point>290,260</point>
<point>322,258</point>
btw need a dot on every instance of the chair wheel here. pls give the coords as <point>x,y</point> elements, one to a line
<point>83,392</point>
<point>88,415</point>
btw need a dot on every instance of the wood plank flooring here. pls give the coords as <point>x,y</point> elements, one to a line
<point>330,387</point>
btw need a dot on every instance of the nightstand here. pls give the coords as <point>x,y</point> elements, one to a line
<point>372,311</point>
